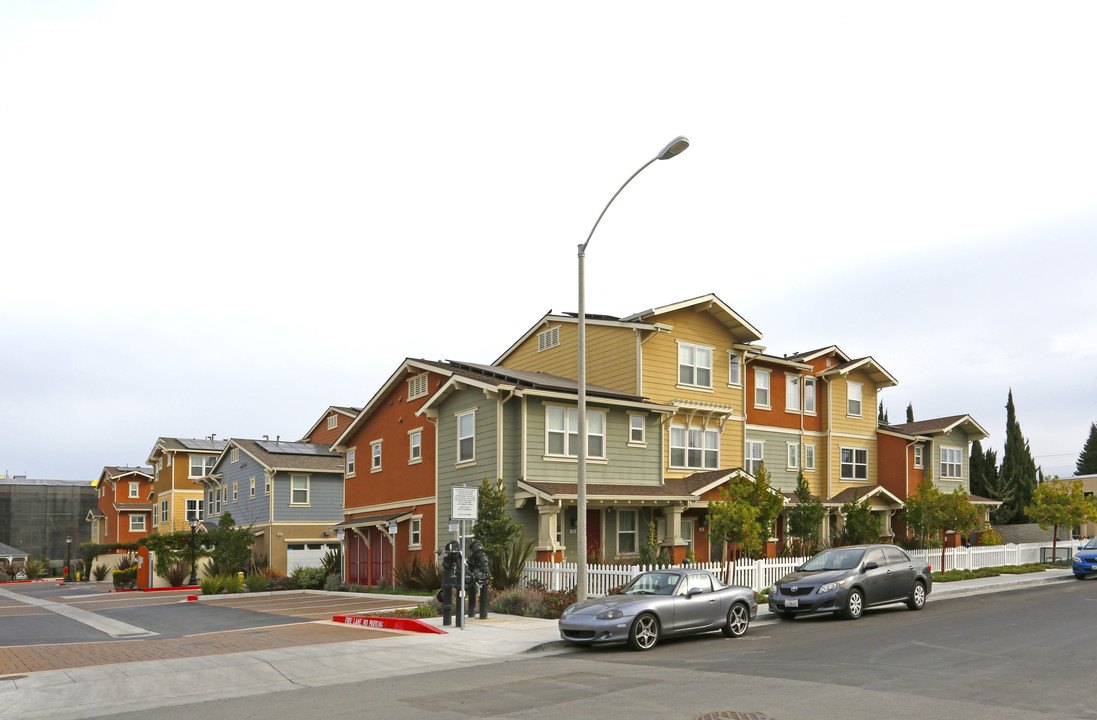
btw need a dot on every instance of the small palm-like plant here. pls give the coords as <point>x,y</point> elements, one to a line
<point>34,568</point>
<point>99,572</point>
<point>507,569</point>
<point>177,574</point>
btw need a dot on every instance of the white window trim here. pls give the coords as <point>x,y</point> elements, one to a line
<point>308,491</point>
<point>412,460</point>
<point>462,462</point>
<point>635,532</point>
<point>736,362</point>
<point>809,454</point>
<point>793,380</point>
<point>686,448</point>
<point>235,492</point>
<point>134,490</point>
<point>643,441</point>
<point>234,456</point>
<point>959,463</point>
<point>198,510</point>
<point>266,484</point>
<point>134,525</point>
<point>861,387</point>
<point>767,405</point>
<point>418,386</point>
<point>206,459</point>
<point>251,488</point>
<point>333,421</point>
<point>416,520</point>
<point>678,366</point>
<point>165,515</point>
<point>792,455</point>
<point>375,455</point>
<point>748,458</point>
<point>854,464</point>
<point>350,461</point>
<point>810,382</point>
<point>567,433</point>
<point>919,457</point>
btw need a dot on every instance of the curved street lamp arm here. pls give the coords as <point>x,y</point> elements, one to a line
<point>583,247</point>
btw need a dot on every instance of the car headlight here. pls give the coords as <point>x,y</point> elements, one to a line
<point>567,611</point>
<point>610,614</point>
<point>830,586</point>
<point>773,589</point>
<point>1079,559</point>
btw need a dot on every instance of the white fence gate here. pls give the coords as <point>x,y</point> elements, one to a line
<point>760,574</point>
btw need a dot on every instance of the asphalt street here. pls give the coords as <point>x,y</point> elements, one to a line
<point>1020,654</point>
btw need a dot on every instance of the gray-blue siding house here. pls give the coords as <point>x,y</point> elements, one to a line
<point>289,493</point>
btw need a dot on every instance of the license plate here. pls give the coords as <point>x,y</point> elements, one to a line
<point>792,602</point>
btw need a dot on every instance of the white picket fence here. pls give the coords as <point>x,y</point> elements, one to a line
<point>760,574</point>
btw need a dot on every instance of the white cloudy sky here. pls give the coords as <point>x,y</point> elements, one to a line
<point>224,217</point>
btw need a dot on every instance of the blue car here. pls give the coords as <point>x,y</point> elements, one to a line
<point>1085,560</point>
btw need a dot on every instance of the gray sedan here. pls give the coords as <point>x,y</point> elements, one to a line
<point>847,580</point>
<point>660,603</point>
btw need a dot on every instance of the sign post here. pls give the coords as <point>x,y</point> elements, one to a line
<point>464,505</point>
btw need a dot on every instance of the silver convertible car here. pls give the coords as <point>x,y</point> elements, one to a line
<point>657,604</point>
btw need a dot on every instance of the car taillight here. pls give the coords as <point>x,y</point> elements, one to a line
<point>930,568</point>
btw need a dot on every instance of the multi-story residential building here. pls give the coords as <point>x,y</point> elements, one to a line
<point>177,464</point>
<point>522,427</point>
<point>332,423</point>
<point>290,494</point>
<point>390,468</point>
<point>124,510</point>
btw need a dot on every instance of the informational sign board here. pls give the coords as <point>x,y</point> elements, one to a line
<point>392,527</point>
<point>454,525</point>
<point>465,501</point>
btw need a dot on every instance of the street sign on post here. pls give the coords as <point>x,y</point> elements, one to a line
<point>392,527</point>
<point>465,501</point>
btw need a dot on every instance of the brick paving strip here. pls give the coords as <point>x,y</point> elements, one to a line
<point>36,658</point>
<point>114,628</point>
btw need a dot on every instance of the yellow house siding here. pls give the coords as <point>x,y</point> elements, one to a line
<point>731,444</point>
<point>841,421</point>
<point>660,359</point>
<point>611,355</point>
<point>836,463</point>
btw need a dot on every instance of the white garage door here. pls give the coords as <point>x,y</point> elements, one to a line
<point>300,555</point>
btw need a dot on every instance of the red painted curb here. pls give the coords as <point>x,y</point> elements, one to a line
<point>389,623</point>
<point>192,597</point>
<point>12,582</point>
<point>167,589</point>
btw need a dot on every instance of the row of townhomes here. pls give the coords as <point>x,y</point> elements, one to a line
<point>681,400</point>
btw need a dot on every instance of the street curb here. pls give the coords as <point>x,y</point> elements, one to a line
<point>389,623</point>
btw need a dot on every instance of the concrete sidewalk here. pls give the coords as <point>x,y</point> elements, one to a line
<point>125,687</point>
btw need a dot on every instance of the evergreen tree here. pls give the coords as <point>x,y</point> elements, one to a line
<point>805,518</point>
<point>493,528</point>
<point>1061,503</point>
<point>882,417</point>
<point>975,470</point>
<point>1018,472</point>
<point>1087,460</point>
<point>910,412</point>
<point>862,525</point>
<point>745,513</point>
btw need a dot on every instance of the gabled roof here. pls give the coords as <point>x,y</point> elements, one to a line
<point>113,473</point>
<point>550,318</point>
<point>735,323</point>
<point>350,412</point>
<point>873,369</point>
<point>776,360</point>
<point>407,367</point>
<point>689,488</point>
<point>859,494</point>
<point>291,456</point>
<point>206,446</point>
<point>817,353</point>
<point>943,426</point>
<point>9,551</point>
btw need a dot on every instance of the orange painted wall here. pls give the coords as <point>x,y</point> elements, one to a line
<point>893,462</point>
<point>323,436</point>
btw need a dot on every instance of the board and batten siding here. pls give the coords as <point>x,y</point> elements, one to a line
<point>325,498</point>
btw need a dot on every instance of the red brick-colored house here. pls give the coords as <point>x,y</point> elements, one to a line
<point>124,510</point>
<point>390,476</point>
<point>331,424</point>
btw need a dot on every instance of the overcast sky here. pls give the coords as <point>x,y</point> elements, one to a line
<point>225,217</point>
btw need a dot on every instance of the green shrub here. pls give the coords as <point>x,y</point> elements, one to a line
<point>34,568</point>
<point>283,583</point>
<point>309,578</point>
<point>334,584</point>
<point>99,572</point>
<point>519,601</point>
<point>125,578</point>
<point>257,583</point>
<point>556,601</point>
<point>178,574</point>
<point>331,562</point>
<point>383,584</point>
<point>232,584</point>
<point>990,537</point>
<point>211,585</point>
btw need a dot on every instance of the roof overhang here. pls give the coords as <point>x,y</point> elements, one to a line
<point>867,365</point>
<point>735,323</point>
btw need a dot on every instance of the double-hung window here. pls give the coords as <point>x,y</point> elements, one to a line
<point>793,450</point>
<point>350,462</point>
<point>626,532</point>
<point>164,512</point>
<point>735,376</point>
<point>194,510</point>
<point>792,392</point>
<point>137,523</point>
<point>694,365</point>
<point>266,485</point>
<point>761,388</point>
<point>809,457</point>
<point>809,395</point>
<point>415,533</point>
<point>752,458</point>
<point>375,456</point>
<point>251,490</point>
<point>694,448</point>
<point>951,463</point>
<point>636,429</point>
<point>200,465</point>
<point>299,490</point>
<point>562,432</point>
<point>466,436</point>
<point>853,398</point>
<point>918,461</point>
<point>135,490</point>
<point>415,446</point>
<point>235,492</point>
<point>854,463</point>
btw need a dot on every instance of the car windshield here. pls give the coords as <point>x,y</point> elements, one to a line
<point>834,560</point>
<point>651,584</point>
<point>1091,545</point>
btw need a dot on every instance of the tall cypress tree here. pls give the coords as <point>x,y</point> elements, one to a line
<point>882,416</point>
<point>910,412</point>
<point>1018,472</point>
<point>975,470</point>
<point>1087,460</point>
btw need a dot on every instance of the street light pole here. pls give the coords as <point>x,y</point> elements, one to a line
<point>674,147</point>
<point>193,575</point>
<point>68,557</point>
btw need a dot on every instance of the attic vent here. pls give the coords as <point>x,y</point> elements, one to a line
<point>417,386</point>
<point>548,339</point>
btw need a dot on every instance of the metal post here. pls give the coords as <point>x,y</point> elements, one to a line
<point>193,574</point>
<point>68,557</point>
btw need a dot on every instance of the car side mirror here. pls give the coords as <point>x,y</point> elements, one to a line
<point>693,591</point>
<point>1081,548</point>
<point>871,565</point>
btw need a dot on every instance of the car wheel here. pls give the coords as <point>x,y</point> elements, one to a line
<point>738,621</point>
<point>644,633</point>
<point>855,605</point>
<point>1080,576</point>
<point>917,599</point>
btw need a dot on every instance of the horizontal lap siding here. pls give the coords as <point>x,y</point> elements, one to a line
<point>245,510</point>
<point>840,421</point>
<point>325,499</point>
<point>611,356</point>
<point>471,475</point>
<point>957,439</point>
<point>775,455</point>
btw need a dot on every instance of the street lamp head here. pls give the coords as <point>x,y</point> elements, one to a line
<point>193,523</point>
<point>68,539</point>
<point>674,147</point>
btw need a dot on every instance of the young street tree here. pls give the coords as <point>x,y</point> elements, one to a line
<point>231,545</point>
<point>1061,503</point>
<point>931,512</point>
<point>910,412</point>
<point>1087,460</point>
<point>493,528</point>
<point>745,514</point>
<point>1018,472</point>
<point>862,525</point>
<point>805,518</point>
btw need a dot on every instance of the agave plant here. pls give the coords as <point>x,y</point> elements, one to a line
<point>507,569</point>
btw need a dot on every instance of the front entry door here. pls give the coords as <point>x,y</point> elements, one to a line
<point>380,556</point>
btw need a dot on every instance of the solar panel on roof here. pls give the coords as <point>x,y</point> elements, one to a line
<point>202,444</point>
<point>281,448</point>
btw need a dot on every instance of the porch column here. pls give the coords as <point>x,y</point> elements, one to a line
<point>548,520</point>
<point>674,540</point>
<point>887,523</point>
